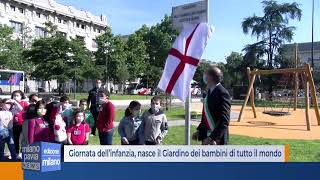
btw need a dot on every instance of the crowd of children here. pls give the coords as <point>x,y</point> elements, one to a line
<point>23,123</point>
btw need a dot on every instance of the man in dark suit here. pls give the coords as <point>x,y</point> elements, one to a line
<point>218,106</point>
<point>93,103</point>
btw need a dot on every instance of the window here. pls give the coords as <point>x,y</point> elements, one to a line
<point>78,25</point>
<point>59,20</point>
<point>94,43</point>
<point>94,30</point>
<point>46,17</point>
<point>13,8</point>
<point>38,14</point>
<point>21,10</point>
<point>17,27</point>
<point>99,31</point>
<point>40,32</point>
<point>83,26</point>
<point>65,22</point>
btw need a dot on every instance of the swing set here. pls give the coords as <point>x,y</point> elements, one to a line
<point>293,76</point>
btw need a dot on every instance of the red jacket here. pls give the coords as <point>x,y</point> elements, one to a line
<point>19,117</point>
<point>106,117</point>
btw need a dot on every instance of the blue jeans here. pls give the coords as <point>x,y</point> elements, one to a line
<point>106,137</point>
<point>10,143</point>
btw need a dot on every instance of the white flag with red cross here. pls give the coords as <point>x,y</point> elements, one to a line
<point>183,59</point>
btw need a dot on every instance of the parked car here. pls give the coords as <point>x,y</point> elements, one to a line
<point>138,89</point>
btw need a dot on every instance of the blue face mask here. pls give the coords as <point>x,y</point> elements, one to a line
<point>205,79</point>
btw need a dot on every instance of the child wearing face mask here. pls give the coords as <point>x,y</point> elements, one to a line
<point>9,108</point>
<point>66,110</point>
<point>78,134</point>
<point>154,124</point>
<point>89,118</point>
<point>129,125</point>
<point>19,97</point>
<point>106,118</point>
<point>38,126</point>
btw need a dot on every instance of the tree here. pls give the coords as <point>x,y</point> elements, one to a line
<point>57,58</point>
<point>26,37</point>
<point>10,51</point>
<point>118,58</point>
<point>137,55</point>
<point>158,41</point>
<point>201,69</point>
<point>123,75</point>
<point>234,73</point>
<point>111,54</point>
<point>51,29</point>
<point>272,28</point>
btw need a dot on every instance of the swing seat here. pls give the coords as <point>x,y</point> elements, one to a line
<point>276,113</point>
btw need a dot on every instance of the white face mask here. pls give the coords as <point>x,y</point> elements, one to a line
<point>17,98</point>
<point>156,108</point>
<point>102,100</point>
<point>65,106</point>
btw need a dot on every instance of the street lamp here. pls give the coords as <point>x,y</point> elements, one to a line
<point>71,60</point>
<point>106,52</point>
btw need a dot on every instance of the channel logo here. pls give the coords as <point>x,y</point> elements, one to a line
<point>41,156</point>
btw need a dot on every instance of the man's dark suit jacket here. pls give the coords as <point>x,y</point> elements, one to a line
<point>219,104</point>
<point>93,100</point>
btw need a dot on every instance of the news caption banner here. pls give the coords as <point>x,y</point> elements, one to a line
<point>176,153</point>
<point>41,156</point>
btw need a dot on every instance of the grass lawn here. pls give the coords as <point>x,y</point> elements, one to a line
<point>113,97</point>
<point>300,150</point>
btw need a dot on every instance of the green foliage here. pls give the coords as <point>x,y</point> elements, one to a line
<point>271,30</point>
<point>137,55</point>
<point>58,58</point>
<point>234,72</point>
<point>10,51</point>
<point>198,76</point>
<point>158,41</point>
<point>110,55</point>
<point>143,55</point>
<point>26,37</point>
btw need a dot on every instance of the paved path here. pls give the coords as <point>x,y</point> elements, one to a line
<point>194,122</point>
<point>146,102</point>
<point>175,123</point>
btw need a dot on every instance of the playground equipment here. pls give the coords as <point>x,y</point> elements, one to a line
<point>307,81</point>
<point>302,74</point>
<point>280,102</point>
<point>306,71</point>
<point>281,109</point>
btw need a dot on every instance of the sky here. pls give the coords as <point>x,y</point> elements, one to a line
<point>126,16</point>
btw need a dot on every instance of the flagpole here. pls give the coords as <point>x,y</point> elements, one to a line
<point>188,117</point>
<point>312,39</point>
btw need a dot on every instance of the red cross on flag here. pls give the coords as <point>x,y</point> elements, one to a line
<point>183,60</point>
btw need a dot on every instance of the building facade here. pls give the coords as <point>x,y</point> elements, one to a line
<point>28,18</point>
<point>304,53</point>
<point>30,15</point>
